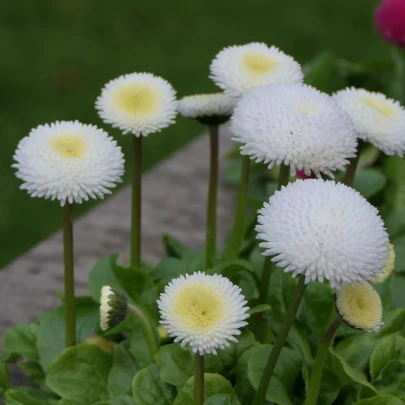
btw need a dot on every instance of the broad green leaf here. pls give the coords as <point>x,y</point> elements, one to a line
<point>138,345</point>
<point>172,267</point>
<point>243,387</point>
<point>392,377</point>
<point>33,370</point>
<point>380,400</point>
<point>149,389</point>
<point>14,397</point>
<point>51,329</point>
<point>330,386</point>
<point>80,373</point>
<point>317,309</point>
<point>398,288</point>
<point>103,274</point>
<point>353,374</point>
<point>121,400</point>
<point>38,394</point>
<point>287,370</point>
<point>389,348</point>
<point>176,364</point>
<point>394,321</point>
<point>176,248</point>
<point>369,182</point>
<point>214,384</point>
<point>64,401</point>
<point>219,399</point>
<point>4,377</point>
<point>21,339</point>
<point>122,371</point>
<point>399,248</point>
<point>324,73</point>
<point>259,308</point>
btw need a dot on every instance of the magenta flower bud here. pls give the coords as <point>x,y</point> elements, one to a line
<point>390,21</point>
<point>301,175</point>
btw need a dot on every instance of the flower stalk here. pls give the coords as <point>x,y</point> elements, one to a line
<point>199,380</point>
<point>279,342</point>
<point>70,303</point>
<point>236,237</point>
<point>211,232</point>
<point>147,329</point>
<point>316,374</point>
<point>351,169</point>
<point>136,202</point>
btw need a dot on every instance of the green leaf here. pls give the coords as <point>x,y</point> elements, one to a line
<point>369,182</point>
<point>389,348</point>
<point>317,308</point>
<point>4,377</point>
<point>330,386</point>
<point>80,373</point>
<point>171,267</point>
<point>176,248</point>
<point>392,377</point>
<point>176,364</point>
<point>51,329</point>
<point>138,345</point>
<point>287,369</point>
<point>122,371</point>
<point>38,394</point>
<point>396,83</point>
<point>259,308</point>
<point>213,384</point>
<point>121,400</point>
<point>394,321</point>
<point>380,400</point>
<point>219,399</point>
<point>397,291</point>
<point>14,397</point>
<point>353,374</point>
<point>324,73</point>
<point>399,248</point>
<point>148,388</point>
<point>21,339</point>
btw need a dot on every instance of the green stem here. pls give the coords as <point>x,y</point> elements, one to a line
<point>316,374</point>
<point>351,169</point>
<point>199,380</point>
<point>211,235</point>
<point>284,176</point>
<point>136,202</point>
<point>70,303</point>
<point>236,237</point>
<point>279,342</point>
<point>147,329</point>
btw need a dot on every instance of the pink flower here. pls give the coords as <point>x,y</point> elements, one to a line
<point>301,175</point>
<point>390,21</point>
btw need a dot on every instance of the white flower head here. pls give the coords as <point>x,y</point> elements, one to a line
<point>203,311</point>
<point>214,108</point>
<point>113,307</point>
<point>323,230</point>
<point>377,119</point>
<point>138,103</point>
<point>68,161</point>
<point>360,306</point>
<point>296,125</point>
<point>240,68</point>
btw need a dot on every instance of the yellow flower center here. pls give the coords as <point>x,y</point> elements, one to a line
<point>199,307</point>
<point>136,99</point>
<point>259,63</point>
<point>69,145</point>
<point>389,265</point>
<point>385,109</point>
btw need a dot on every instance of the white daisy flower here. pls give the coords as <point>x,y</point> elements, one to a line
<point>113,307</point>
<point>377,119</point>
<point>214,108</point>
<point>323,230</point>
<point>360,306</point>
<point>138,103</point>
<point>68,161</point>
<point>239,69</point>
<point>203,311</point>
<point>296,125</point>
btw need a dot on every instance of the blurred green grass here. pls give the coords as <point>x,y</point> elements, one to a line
<point>56,55</point>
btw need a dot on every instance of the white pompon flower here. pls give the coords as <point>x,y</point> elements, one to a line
<point>214,108</point>
<point>323,230</point>
<point>138,103</point>
<point>113,307</point>
<point>203,311</point>
<point>68,161</point>
<point>240,68</point>
<point>377,119</point>
<point>296,125</point>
